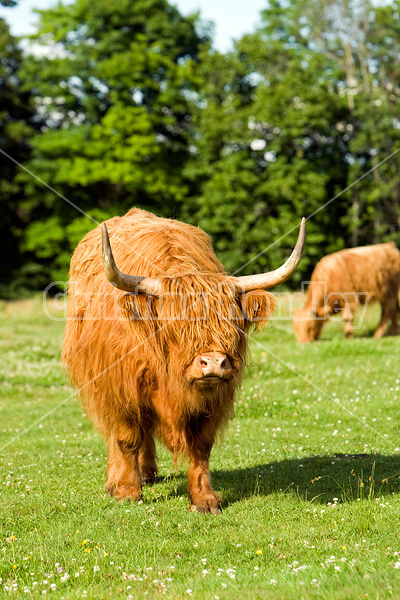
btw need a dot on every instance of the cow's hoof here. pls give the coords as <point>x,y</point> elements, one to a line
<point>207,505</point>
<point>148,476</point>
<point>126,492</point>
<point>110,487</point>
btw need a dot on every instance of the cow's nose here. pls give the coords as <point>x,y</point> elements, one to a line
<point>216,364</point>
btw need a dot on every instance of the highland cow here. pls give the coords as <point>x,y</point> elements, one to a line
<point>162,352</point>
<point>345,279</point>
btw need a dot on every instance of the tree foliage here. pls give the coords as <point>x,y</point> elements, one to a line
<point>136,107</point>
<point>16,127</point>
<point>360,43</point>
<point>274,156</point>
<point>113,94</point>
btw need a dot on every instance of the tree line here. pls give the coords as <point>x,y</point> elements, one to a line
<point>115,104</point>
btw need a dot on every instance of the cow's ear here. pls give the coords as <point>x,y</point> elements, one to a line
<point>257,307</point>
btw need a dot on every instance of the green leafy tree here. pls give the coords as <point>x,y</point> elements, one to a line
<point>285,123</point>
<point>135,107</point>
<point>113,89</point>
<point>360,43</point>
<point>16,126</point>
<point>267,152</point>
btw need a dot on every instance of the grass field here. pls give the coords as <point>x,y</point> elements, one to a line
<point>309,469</point>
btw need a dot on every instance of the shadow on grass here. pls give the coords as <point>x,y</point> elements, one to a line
<point>314,479</point>
<point>366,330</point>
<point>358,335</point>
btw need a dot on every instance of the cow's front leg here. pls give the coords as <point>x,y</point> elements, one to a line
<point>348,327</point>
<point>201,494</point>
<point>348,316</point>
<point>123,475</point>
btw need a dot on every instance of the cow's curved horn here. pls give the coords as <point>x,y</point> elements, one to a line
<point>264,281</point>
<point>128,283</point>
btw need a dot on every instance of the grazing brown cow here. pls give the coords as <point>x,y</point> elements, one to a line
<point>344,279</point>
<point>165,358</point>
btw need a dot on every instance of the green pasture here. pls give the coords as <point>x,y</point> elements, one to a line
<point>309,469</point>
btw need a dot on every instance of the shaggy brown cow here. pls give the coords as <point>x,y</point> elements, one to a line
<point>168,361</point>
<point>344,279</point>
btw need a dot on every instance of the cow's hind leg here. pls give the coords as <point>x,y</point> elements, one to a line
<point>394,329</point>
<point>381,329</point>
<point>123,475</point>
<point>147,459</point>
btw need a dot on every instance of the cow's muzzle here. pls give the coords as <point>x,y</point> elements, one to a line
<point>209,369</point>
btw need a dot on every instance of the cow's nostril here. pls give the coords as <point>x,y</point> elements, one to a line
<point>203,362</point>
<point>225,364</point>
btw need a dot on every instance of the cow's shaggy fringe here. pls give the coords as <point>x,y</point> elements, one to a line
<point>127,353</point>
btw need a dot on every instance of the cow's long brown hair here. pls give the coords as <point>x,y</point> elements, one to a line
<point>127,353</point>
<point>343,280</point>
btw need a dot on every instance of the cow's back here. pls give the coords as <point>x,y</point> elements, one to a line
<point>373,269</point>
